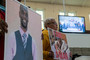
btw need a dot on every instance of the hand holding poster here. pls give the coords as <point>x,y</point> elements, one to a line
<point>58,45</point>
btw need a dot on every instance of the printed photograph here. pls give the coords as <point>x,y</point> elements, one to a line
<point>58,45</point>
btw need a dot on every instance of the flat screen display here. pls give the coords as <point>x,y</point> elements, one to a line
<point>72,24</point>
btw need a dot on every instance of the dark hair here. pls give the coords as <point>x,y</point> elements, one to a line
<point>1,2</point>
<point>22,7</point>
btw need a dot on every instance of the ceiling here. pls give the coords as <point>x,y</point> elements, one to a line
<point>85,3</point>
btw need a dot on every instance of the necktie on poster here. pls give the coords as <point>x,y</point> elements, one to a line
<point>24,40</point>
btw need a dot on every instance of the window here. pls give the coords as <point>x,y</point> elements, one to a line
<point>71,14</point>
<point>68,13</point>
<point>41,13</point>
<point>61,13</point>
<point>89,17</point>
<point>42,17</point>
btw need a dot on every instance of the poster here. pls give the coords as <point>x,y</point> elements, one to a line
<point>23,41</point>
<point>58,45</point>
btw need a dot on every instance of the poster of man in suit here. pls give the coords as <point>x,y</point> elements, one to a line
<point>22,40</point>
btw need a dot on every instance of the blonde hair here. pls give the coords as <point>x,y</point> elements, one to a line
<point>47,21</point>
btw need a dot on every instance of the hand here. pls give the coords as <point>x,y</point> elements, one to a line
<point>3,27</point>
<point>51,54</point>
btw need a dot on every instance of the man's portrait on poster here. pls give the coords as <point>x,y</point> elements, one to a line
<point>23,45</point>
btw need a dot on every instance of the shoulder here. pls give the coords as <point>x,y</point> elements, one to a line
<point>11,37</point>
<point>12,34</point>
<point>33,41</point>
<point>45,33</point>
<point>16,31</point>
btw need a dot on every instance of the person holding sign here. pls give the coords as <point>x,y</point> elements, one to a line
<point>47,53</point>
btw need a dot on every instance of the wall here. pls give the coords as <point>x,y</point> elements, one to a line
<point>52,10</point>
<point>78,40</point>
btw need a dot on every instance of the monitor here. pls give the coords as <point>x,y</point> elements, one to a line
<point>71,24</point>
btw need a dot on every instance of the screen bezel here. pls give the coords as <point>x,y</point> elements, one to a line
<point>70,16</point>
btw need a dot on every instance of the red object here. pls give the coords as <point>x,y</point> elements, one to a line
<point>2,16</point>
<point>1,47</point>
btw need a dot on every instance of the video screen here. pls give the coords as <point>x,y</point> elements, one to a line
<point>71,24</point>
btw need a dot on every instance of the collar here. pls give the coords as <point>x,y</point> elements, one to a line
<point>22,32</point>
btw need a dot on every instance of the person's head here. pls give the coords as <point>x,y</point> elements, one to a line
<point>23,14</point>
<point>2,2</point>
<point>51,23</point>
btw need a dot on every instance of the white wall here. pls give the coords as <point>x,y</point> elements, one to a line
<point>78,40</point>
<point>52,10</point>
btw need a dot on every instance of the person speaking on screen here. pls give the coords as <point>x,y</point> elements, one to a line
<point>21,45</point>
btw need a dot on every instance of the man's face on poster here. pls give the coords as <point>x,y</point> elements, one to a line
<point>23,13</point>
